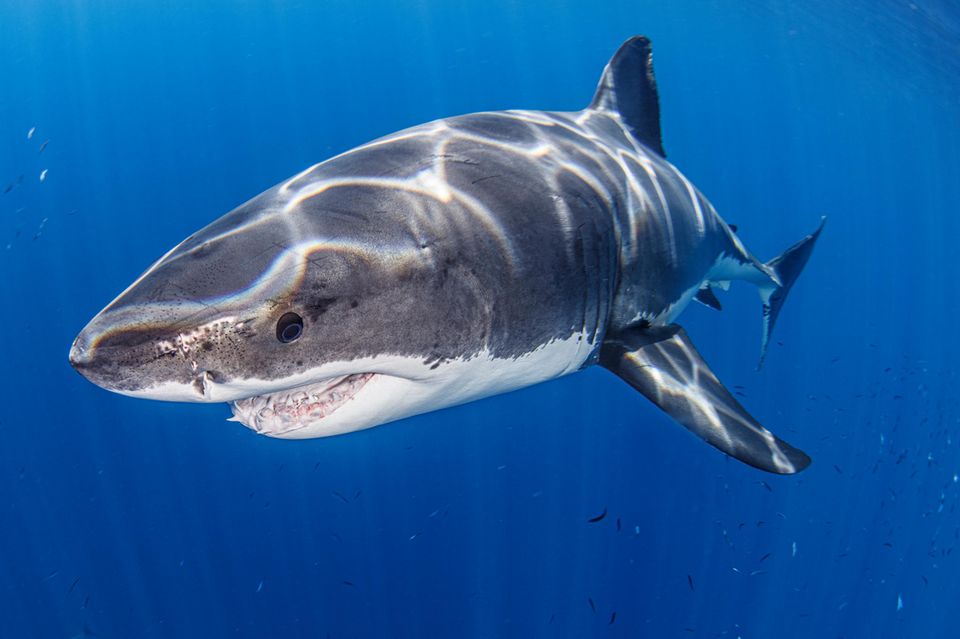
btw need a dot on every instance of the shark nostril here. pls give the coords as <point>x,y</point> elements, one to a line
<point>203,383</point>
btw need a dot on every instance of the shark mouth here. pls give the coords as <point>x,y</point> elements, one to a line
<point>295,408</point>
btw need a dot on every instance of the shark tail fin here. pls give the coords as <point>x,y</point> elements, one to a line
<point>787,267</point>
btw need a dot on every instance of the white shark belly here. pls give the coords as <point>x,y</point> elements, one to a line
<point>405,386</point>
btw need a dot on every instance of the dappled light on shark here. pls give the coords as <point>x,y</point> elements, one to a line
<point>452,261</point>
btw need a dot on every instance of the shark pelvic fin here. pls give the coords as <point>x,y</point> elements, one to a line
<point>707,297</point>
<point>663,364</point>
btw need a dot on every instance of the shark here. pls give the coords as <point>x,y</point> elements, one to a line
<point>455,260</point>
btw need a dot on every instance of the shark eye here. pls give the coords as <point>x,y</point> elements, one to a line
<point>289,327</point>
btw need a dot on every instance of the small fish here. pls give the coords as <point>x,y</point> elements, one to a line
<point>414,536</point>
<point>39,232</point>
<point>838,469</point>
<point>593,606</point>
<point>51,575</point>
<point>72,586</point>
<point>726,538</point>
<point>690,582</point>
<point>43,175</point>
<point>43,146</point>
<point>925,582</point>
<point>599,517</point>
<point>349,583</point>
<point>899,602</point>
<point>618,524</point>
<point>340,497</point>
<point>613,617</point>
<point>765,485</point>
<point>8,189</point>
<point>30,133</point>
<point>754,573</point>
<point>793,550</point>
<point>260,586</point>
<point>764,558</point>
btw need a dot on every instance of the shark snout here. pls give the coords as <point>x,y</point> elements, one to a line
<point>88,359</point>
<point>137,359</point>
<point>111,357</point>
<point>80,353</point>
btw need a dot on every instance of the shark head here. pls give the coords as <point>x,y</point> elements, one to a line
<point>312,310</point>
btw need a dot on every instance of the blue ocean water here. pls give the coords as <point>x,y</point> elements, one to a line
<point>129,518</point>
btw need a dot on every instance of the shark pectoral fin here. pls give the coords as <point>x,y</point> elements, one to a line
<point>662,363</point>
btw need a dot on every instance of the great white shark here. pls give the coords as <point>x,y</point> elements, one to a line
<point>451,261</point>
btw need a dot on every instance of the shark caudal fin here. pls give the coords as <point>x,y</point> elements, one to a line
<point>787,267</point>
<point>629,89</point>
<point>663,364</point>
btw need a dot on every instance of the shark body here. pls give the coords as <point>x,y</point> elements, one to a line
<point>455,260</point>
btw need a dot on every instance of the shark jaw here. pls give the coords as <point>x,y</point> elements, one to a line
<point>334,398</point>
<point>286,411</point>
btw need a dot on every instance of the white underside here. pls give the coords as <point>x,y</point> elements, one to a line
<point>401,386</point>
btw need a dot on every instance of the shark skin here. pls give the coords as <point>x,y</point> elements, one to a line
<point>455,260</point>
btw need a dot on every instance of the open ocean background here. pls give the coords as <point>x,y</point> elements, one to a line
<point>126,518</point>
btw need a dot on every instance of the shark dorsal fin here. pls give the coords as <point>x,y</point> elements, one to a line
<point>629,88</point>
